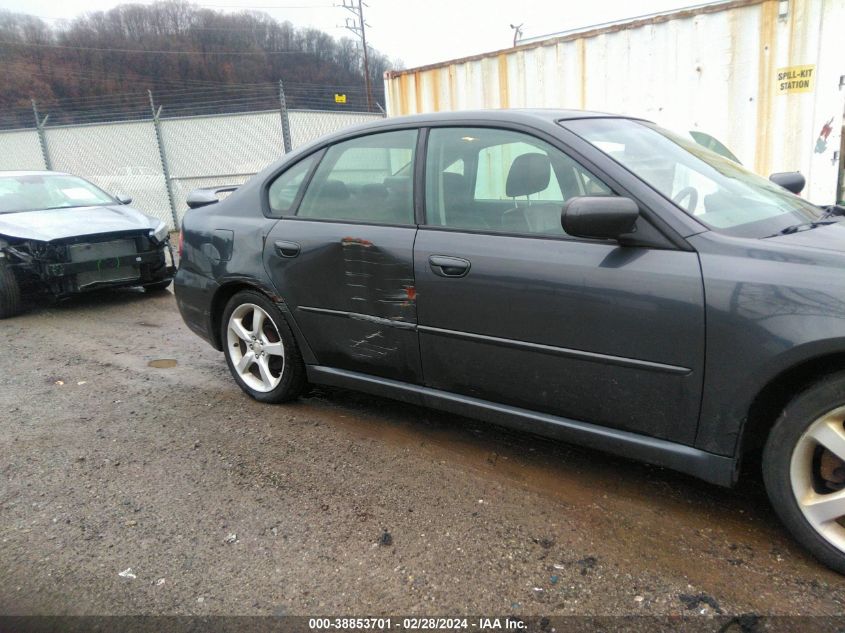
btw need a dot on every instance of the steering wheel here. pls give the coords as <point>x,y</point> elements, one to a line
<point>687,192</point>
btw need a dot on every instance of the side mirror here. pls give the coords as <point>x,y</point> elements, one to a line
<point>789,180</point>
<point>206,195</point>
<point>122,198</point>
<point>599,217</point>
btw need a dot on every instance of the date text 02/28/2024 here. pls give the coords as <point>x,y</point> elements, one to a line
<point>416,624</point>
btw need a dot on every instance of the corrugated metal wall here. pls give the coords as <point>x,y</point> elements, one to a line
<point>712,68</point>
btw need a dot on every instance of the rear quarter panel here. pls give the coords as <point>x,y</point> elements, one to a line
<point>223,245</point>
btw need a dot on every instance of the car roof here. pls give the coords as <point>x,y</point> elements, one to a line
<point>534,117</point>
<point>526,115</point>
<point>546,114</point>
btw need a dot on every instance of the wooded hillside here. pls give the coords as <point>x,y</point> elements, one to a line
<point>201,55</point>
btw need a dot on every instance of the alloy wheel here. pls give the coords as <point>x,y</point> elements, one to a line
<point>255,347</point>
<point>817,475</point>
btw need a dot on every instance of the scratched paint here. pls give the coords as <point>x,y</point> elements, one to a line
<point>379,286</point>
<point>712,68</point>
<point>377,281</point>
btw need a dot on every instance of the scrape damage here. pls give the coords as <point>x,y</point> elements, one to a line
<point>382,294</point>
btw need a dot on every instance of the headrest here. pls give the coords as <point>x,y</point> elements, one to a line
<point>335,189</point>
<point>528,174</point>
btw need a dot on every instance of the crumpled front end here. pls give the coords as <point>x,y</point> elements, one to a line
<point>65,267</point>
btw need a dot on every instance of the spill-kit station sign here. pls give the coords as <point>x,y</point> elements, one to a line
<point>796,79</point>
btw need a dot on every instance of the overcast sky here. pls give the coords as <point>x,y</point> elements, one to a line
<point>416,31</point>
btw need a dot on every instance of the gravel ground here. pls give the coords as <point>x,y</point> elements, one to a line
<point>132,488</point>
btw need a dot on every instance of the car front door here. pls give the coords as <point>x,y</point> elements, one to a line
<point>343,259</point>
<point>514,311</point>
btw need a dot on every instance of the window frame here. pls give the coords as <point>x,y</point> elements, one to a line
<point>266,209</point>
<point>472,165</point>
<point>668,226</point>
<point>293,213</point>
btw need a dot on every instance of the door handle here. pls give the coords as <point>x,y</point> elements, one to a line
<point>448,266</point>
<point>287,249</point>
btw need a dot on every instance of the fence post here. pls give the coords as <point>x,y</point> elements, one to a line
<point>42,135</point>
<point>283,105</point>
<point>163,156</point>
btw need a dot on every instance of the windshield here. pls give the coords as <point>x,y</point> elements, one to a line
<point>718,192</point>
<point>28,192</point>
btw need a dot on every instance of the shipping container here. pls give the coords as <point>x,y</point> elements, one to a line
<point>764,77</point>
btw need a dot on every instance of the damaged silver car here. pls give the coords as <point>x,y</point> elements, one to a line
<point>60,235</point>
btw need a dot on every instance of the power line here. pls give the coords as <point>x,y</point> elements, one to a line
<point>141,50</point>
<point>201,5</point>
<point>258,28</point>
<point>195,84</point>
<point>93,77</point>
<point>267,6</point>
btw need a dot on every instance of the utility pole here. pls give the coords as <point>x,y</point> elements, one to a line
<point>359,27</point>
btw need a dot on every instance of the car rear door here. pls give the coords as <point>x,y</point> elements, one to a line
<point>512,310</point>
<point>343,258</point>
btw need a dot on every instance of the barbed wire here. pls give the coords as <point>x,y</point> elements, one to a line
<point>26,69</point>
<point>182,102</point>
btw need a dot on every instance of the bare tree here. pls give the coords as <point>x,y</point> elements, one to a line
<point>105,52</point>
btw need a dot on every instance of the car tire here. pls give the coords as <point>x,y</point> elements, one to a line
<point>804,478</point>
<point>261,351</point>
<point>10,292</point>
<point>158,286</point>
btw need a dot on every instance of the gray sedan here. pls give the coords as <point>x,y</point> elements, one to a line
<point>585,276</point>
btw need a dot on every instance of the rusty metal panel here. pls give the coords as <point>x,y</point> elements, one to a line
<point>732,70</point>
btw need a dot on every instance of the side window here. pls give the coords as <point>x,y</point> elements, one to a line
<point>499,180</point>
<point>283,190</point>
<point>368,179</point>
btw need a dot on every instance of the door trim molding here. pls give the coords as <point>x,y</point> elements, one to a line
<point>595,357</point>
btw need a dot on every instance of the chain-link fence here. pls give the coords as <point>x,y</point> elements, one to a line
<point>117,157</point>
<point>218,150</point>
<point>158,159</point>
<point>21,149</point>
